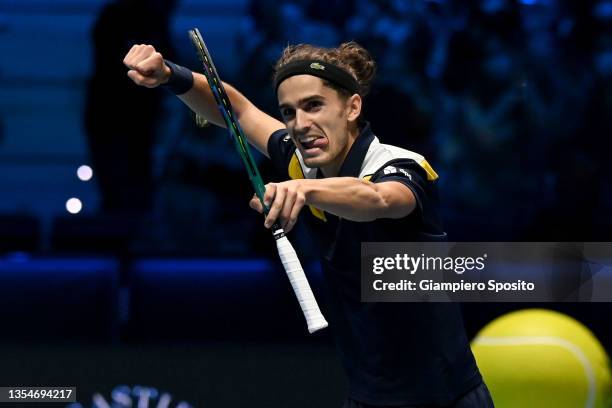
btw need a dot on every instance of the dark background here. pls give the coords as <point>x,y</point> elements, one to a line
<point>166,278</point>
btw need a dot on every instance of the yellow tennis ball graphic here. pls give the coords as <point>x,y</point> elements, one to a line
<point>538,358</point>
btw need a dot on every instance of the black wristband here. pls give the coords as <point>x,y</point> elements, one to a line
<point>181,79</point>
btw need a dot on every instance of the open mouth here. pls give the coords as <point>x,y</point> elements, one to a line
<point>311,142</point>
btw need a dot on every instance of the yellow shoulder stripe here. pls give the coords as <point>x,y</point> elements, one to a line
<point>295,172</point>
<point>431,174</point>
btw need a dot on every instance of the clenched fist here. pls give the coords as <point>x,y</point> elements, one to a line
<point>147,67</point>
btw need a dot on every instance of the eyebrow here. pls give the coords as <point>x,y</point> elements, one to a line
<point>302,101</point>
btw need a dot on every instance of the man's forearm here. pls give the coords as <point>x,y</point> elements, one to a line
<point>201,100</point>
<point>257,125</point>
<point>358,200</point>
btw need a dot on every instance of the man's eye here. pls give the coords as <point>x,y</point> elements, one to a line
<point>312,105</point>
<point>287,113</point>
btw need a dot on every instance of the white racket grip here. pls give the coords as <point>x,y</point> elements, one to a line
<point>301,287</point>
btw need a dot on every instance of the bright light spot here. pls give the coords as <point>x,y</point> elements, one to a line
<point>85,173</point>
<point>74,205</point>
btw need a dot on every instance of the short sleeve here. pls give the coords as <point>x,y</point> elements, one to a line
<point>415,177</point>
<point>280,150</point>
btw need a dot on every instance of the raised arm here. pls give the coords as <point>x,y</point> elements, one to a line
<point>147,68</point>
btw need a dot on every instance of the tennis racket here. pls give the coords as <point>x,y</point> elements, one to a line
<point>291,263</point>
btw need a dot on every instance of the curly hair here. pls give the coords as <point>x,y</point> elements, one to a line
<point>349,56</point>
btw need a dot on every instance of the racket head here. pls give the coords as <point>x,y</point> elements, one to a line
<point>215,83</point>
<point>227,112</point>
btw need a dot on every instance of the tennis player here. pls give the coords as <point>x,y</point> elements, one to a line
<point>349,188</point>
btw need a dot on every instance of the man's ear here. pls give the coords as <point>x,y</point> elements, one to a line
<point>353,106</point>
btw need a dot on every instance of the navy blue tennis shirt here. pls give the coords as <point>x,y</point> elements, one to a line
<point>393,353</point>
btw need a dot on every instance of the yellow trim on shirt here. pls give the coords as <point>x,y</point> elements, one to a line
<point>295,172</point>
<point>431,174</point>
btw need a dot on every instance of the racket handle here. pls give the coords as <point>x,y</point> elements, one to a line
<point>301,287</point>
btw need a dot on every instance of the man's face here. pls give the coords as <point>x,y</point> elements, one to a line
<point>317,120</point>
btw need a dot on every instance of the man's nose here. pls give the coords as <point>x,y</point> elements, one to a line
<point>302,121</point>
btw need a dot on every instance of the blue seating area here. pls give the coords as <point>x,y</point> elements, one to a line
<point>58,299</point>
<point>212,299</point>
<point>146,300</point>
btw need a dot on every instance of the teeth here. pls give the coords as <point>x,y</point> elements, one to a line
<point>308,140</point>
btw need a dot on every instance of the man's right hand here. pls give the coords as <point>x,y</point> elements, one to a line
<point>147,66</point>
